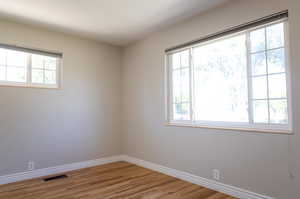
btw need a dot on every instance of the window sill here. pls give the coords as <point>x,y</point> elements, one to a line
<point>247,129</point>
<point>30,86</point>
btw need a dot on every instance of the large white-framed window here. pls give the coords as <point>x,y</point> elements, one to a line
<point>29,68</point>
<point>238,81</point>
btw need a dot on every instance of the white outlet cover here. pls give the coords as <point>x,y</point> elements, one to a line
<point>31,166</point>
<point>216,174</point>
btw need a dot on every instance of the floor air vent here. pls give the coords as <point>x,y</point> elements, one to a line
<point>55,178</point>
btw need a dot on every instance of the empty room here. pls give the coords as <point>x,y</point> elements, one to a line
<point>149,99</point>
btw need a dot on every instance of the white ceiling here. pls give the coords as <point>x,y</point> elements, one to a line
<point>118,22</point>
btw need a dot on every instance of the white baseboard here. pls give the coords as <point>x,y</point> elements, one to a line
<point>211,184</point>
<point>55,170</point>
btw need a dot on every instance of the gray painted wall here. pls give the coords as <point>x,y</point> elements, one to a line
<point>82,121</point>
<point>258,162</point>
<point>55,127</point>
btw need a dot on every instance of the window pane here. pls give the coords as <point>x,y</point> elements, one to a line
<point>2,73</point>
<point>50,77</point>
<point>2,57</point>
<point>15,58</point>
<point>276,61</point>
<point>257,39</point>
<point>259,87</point>
<point>181,86</point>
<point>185,84</point>
<point>16,74</point>
<point>176,79</point>
<point>278,111</point>
<point>181,111</point>
<point>185,58</point>
<point>37,76</point>
<point>176,86</point>
<point>275,36</point>
<point>50,63</point>
<point>258,64</point>
<point>277,86</point>
<point>216,76</point>
<point>176,94</point>
<point>221,81</point>
<point>260,111</point>
<point>176,60</point>
<point>37,61</point>
<point>15,63</point>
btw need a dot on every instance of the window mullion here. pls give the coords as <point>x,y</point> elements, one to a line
<point>44,66</point>
<point>288,73</point>
<point>267,75</point>
<point>6,68</point>
<point>58,73</point>
<point>29,69</point>
<point>170,88</point>
<point>191,87</point>
<point>249,78</point>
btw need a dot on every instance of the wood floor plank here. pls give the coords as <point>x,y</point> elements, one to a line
<point>120,180</point>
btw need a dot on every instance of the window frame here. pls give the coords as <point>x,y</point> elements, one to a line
<point>241,126</point>
<point>28,69</point>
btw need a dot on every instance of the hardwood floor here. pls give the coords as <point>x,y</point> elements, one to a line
<point>119,180</point>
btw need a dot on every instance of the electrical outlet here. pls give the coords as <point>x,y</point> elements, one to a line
<point>216,174</point>
<point>31,166</point>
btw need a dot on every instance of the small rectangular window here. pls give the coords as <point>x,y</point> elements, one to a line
<point>29,68</point>
<point>238,81</point>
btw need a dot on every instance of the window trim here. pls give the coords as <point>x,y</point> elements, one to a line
<point>28,83</point>
<point>238,126</point>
